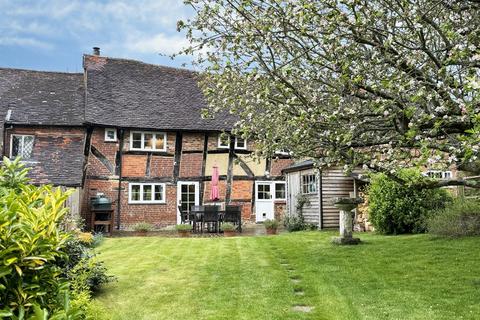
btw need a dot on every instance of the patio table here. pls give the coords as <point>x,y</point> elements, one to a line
<point>199,216</point>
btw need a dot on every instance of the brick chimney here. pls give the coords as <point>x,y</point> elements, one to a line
<point>96,51</point>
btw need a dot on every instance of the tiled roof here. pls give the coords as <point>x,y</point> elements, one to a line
<point>298,166</point>
<point>128,93</point>
<point>58,159</point>
<point>41,98</point>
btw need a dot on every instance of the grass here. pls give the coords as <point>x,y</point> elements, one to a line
<point>401,277</point>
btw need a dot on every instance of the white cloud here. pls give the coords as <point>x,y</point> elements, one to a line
<point>159,43</point>
<point>24,42</point>
<point>120,27</point>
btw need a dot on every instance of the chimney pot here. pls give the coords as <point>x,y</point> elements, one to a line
<point>96,51</point>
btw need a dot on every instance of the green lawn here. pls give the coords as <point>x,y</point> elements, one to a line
<point>402,277</point>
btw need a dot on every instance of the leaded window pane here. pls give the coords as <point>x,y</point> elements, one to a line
<point>22,145</point>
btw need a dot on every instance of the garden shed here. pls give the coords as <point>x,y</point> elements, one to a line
<point>317,189</point>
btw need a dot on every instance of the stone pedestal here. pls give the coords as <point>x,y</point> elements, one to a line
<point>346,205</point>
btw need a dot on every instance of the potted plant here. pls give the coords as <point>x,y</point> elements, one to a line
<point>228,229</point>
<point>142,228</point>
<point>183,230</point>
<point>271,226</point>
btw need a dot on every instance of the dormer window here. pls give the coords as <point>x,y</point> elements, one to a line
<point>110,135</point>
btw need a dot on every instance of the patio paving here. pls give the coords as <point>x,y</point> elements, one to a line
<point>248,230</point>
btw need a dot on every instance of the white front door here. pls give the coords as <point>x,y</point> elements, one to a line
<point>187,196</point>
<point>264,200</point>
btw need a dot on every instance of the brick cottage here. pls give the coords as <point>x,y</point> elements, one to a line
<point>134,132</point>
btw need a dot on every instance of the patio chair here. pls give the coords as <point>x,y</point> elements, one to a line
<point>233,214</point>
<point>183,214</point>
<point>196,213</point>
<point>210,217</point>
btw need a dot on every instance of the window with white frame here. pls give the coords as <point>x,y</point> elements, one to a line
<point>148,141</point>
<point>263,191</point>
<point>110,134</point>
<point>224,142</point>
<point>240,143</point>
<point>309,183</point>
<point>21,146</point>
<point>146,193</point>
<point>280,190</point>
<point>438,174</point>
<point>283,152</point>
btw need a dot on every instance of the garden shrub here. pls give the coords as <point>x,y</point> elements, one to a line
<point>270,224</point>
<point>30,243</point>
<point>297,222</point>
<point>460,218</point>
<point>40,262</point>
<point>82,268</point>
<point>396,208</point>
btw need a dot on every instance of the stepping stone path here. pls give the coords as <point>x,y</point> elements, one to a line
<point>300,308</point>
<point>295,279</point>
<point>298,292</point>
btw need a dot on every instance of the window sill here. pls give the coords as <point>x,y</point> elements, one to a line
<point>144,203</point>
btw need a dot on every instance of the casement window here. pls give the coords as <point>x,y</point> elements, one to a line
<point>224,142</point>
<point>146,193</point>
<point>240,143</point>
<point>21,146</point>
<point>437,174</point>
<point>309,183</point>
<point>280,190</point>
<point>110,135</point>
<point>148,141</point>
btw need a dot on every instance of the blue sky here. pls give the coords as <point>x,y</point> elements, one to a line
<point>53,34</point>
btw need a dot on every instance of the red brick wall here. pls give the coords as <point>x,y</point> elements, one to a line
<point>191,165</point>
<point>279,209</point>
<point>96,168</point>
<point>161,166</point>
<point>278,165</point>
<point>159,215</point>
<point>222,187</point>
<point>242,190</point>
<point>108,149</point>
<point>213,141</point>
<point>192,141</point>
<point>134,165</point>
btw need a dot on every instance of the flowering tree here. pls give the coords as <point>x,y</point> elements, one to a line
<point>376,83</point>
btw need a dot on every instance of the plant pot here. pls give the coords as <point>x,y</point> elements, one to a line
<point>141,233</point>
<point>183,233</point>
<point>271,231</point>
<point>229,233</point>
